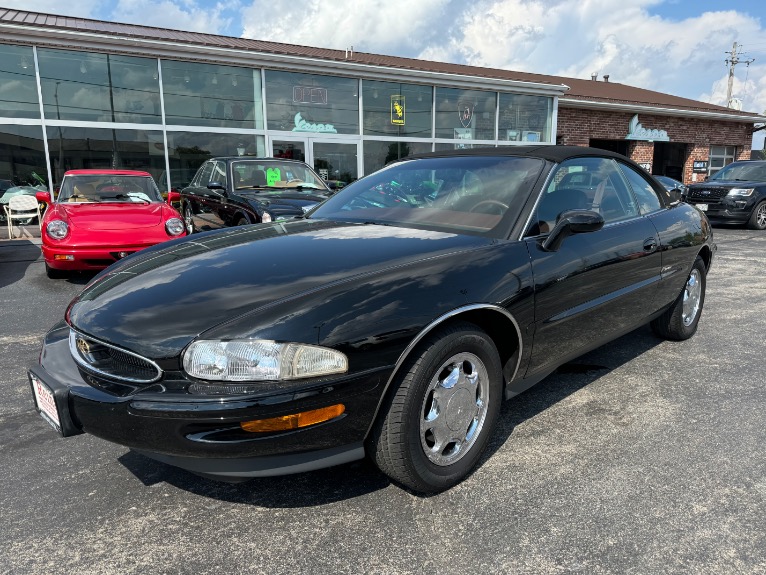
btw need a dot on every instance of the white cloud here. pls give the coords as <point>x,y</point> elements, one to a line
<point>183,15</point>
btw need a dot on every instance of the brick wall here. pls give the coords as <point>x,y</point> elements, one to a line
<point>576,127</point>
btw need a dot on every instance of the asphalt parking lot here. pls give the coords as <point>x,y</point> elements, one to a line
<point>643,456</point>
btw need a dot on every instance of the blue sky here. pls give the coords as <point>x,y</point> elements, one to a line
<point>672,46</point>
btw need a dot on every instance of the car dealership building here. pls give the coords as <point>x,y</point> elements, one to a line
<point>77,93</point>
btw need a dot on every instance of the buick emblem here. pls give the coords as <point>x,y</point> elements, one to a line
<point>705,192</point>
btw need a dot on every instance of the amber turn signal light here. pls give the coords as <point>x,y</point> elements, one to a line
<point>294,421</point>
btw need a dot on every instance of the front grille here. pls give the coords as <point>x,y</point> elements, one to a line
<point>107,360</point>
<point>707,194</point>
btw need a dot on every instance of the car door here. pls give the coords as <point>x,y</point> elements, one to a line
<point>596,285</point>
<point>210,201</point>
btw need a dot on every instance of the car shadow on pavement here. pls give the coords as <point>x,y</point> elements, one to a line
<point>15,257</point>
<point>288,491</point>
<point>362,477</point>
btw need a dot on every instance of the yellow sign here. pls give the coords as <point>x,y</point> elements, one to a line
<point>397,110</point>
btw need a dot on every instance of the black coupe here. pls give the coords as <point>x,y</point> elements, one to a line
<point>390,321</point>
<point>243,190</point>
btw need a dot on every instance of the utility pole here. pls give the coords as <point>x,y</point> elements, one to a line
<point>733,61</point>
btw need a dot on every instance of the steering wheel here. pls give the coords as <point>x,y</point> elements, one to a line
<point>496,203</point>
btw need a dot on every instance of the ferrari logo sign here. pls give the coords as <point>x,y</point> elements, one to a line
<point>465,112</point>
<point>397,110</point>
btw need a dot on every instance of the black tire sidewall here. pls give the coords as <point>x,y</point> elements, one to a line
<point>435,354</point>
<point>677,322</point>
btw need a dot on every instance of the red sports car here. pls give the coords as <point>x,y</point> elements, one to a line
<point>101,216</point>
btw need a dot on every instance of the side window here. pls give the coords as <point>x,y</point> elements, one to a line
<point>219,173</point>
<point>647,198</point>
<point>593,184</point>
<point>202,178</point>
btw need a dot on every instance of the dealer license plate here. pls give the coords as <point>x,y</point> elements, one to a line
<point>46,403</point>
<point>702,207</point>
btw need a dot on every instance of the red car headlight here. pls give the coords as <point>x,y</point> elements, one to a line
<point>57,229</point>
<point>174,227</point>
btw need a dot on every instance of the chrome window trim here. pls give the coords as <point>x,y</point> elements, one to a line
<point>79,360</point>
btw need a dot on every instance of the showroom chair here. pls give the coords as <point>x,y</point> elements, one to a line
<point>21,208</point>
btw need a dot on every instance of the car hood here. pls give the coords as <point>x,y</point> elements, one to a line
<point>112,216</point>
<point>155,302</point>
<point>285,200</point>
<point>727,184</point>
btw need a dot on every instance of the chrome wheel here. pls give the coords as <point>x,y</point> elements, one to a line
<point>760,216</point>
<point>454,409</point>
<point>692,297</point>
<point>188,219</point>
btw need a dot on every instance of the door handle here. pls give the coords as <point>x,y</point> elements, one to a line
<point>650,245</point>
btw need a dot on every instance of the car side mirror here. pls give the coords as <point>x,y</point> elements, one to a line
<point>44,197</point>
<point>217,186</point>
<point>572,222</point>
<point>173,197</point>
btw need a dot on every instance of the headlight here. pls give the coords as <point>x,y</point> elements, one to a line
<point>174,227</point>
<point>266,217</point>
<point>57,229</point>
<point>259,360</point>
<point>741,191</point>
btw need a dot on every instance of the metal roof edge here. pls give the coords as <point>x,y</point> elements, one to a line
<point>61,38</point>
<point>660,110</point>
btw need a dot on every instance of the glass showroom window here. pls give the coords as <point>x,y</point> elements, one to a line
<point>211,95</point>
<point>187,151</point>
<point>312,103</point>
<point>73,148</point>
<point>377,154</point>
<point>22,156</point>
<point>18,97</point>
<point>720,156</point>
<point>525,118</point>
<point>99,87</point>
<point>465,114</point>
<point>397,110</point>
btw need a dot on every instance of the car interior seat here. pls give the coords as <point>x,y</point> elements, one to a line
<point>83,192</point>
<point>258,178</point>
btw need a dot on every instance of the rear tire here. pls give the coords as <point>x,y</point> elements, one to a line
<point>680,321</point>
<point>438,417</point>
<point>757,219</point>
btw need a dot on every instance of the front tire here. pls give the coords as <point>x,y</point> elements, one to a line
<point>189,219</point>
<point>680,321</point>
<point>53,273</point>
<point>440,413</point>
<point>757,219</point>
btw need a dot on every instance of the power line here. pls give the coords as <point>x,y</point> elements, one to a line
<point>732,62</point>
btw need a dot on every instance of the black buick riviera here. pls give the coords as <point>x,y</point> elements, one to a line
<point>389,321</point>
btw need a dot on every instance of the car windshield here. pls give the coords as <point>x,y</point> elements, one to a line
<point>743,172</point>
<point>109,188</point>
<point>274,174</point>
<point>465,194</point>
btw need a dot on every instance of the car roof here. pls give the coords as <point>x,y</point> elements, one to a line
<point>253,158</point>
<point>106,173</point>
<point>552,153</point>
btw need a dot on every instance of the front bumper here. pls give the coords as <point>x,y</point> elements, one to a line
<point>202,433</point>
<point>93,258</point>
<point>726,210</point>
